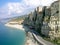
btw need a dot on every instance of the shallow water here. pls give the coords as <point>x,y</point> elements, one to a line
<point>11,36</point>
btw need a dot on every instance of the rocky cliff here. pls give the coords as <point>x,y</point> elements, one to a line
<point>45,20</point>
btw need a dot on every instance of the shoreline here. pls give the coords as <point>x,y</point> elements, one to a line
<point>17,26</point>
<point>29,40</point>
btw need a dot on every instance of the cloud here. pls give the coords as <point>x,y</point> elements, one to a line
<point>47,2</point>
<point>33,3</point>
<point>15,8</point>
<point>10,8</point>
<point>18,8</point>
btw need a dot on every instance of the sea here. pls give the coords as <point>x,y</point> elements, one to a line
<point>11,36</point>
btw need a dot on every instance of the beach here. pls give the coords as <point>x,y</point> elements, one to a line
<point>15,26</point>
<point>29,40</point>
<point>11,36</point>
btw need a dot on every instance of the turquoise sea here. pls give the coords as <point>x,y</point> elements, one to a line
<point>11,36</point>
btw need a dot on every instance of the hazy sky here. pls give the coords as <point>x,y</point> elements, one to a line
<point>9,8</point>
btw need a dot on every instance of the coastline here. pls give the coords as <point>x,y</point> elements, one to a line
<point>29,40</point>
<point>17,26</point>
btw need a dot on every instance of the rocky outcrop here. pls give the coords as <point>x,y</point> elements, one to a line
<point>54,20</point>
<point>35,19</point>
<point>45,20</point>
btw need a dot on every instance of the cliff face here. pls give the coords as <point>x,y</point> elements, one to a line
<point>54,20</point>
<point>45,20</point>
<point>34,18</point>
<point>37,18</point>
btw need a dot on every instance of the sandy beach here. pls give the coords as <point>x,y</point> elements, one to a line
<point>15,26</point>
<point>29,40</point>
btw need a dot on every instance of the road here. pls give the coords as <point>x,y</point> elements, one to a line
<point>40,39</point>
<point>37,37</point>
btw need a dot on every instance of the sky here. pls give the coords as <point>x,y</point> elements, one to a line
<point>11,8</point>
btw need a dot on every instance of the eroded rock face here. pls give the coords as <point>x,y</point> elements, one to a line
<point>54,20</point>
<point>45,27</point>
<point>45,20</point>
<point>51,26</point>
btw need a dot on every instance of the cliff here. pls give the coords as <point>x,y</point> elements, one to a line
<point>44,20</point>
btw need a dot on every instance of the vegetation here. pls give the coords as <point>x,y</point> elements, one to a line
<point>36,20</point>
<point>55,41</point>
<point>18,18</point>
